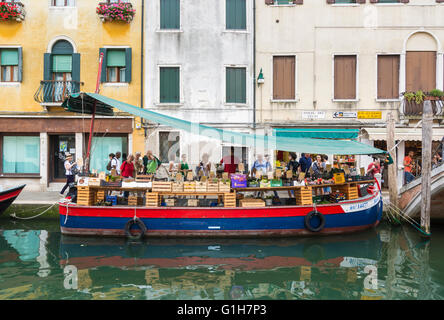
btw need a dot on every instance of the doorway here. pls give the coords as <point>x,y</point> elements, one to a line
<point>58,146</point>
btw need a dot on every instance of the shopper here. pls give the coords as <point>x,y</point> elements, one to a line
<point>138,163</point>
<point>183,166</point>
<point>305,162</point>
<point>318,166</point>
<point>293,163</point>
<point>230,162</point>
<point>408,165</point>
<point>127,171</point>
<point>110,165</point>
<point>70,177</point>
<point>261,165</point>
<point>204,166</point>
<point>117,163</point>
<point>374,168</point>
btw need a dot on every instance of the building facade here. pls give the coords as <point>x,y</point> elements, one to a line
<point>199,67</point>
<point>52,49</point>
<point>345,64</point>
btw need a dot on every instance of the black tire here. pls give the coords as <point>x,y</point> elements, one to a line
<point>128,226</point>
<point>311,215</point>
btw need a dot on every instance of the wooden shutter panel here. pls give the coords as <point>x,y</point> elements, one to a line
<point>420,70</point>
<point>345,77</point>
<point>169,14</point>
<point>20,64</point>
<point>75,67</point>
<point>284,78</point>
<point>388,76</point>
<point>169,85</point>
<point>331,1</point>
<point>128,64</point>
<point>103,72</point>
<point>269,2</point>
<point>47,66</point>
<point>298,1</point>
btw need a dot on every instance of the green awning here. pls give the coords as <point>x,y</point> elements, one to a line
<point>307,145</point>
<point>9,57</point>
<point>316,133</point>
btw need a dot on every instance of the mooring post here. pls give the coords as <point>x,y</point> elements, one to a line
<point>427,122</point>
<point>392,169</point>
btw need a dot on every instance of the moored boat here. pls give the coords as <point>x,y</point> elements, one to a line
<point>7,197</point>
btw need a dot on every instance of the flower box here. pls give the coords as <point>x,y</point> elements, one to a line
<point>116,12</point>
<point>12,11</point>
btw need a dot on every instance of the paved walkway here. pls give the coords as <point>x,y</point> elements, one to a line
<point>30,197</point>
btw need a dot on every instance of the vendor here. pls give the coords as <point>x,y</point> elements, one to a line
<point>374,168</point>
<point>293,163</point>
<point>204,166</point>
<point>261,165</point>
<point>305,162</point>
<point>183,166</point>
<point>148,164</point>
<point>230,162</point>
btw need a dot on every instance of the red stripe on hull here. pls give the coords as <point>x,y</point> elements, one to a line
<point>215,233</point>
<point>10,195</point>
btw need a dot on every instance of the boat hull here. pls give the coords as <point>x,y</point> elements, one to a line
<point>7,197</point>
<point>340,218</point>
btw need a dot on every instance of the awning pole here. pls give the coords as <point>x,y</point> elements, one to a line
<point>93,115</point>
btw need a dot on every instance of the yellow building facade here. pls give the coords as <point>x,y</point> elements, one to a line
<point>51,48</point>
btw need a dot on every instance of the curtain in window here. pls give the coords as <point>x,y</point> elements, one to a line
<point>21,154</point>
<point>101,148</point>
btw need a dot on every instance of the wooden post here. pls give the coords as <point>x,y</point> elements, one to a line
<point>427,122</point>
<point>392,169</point>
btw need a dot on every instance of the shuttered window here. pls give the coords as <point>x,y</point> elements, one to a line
<point>236,85</point>
<point>236,14</point>
<point>420,70</point>
<point>169,14</point>
<point>116,65</point>
<point>284,78</point>
<point>169,85</point>
<point>345,77</point>
<point>10,65</point>
<point>388,76</point>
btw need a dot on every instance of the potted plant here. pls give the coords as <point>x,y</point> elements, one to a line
<point>269,200</point>
<point>116,12</point>
<point>11,11</point>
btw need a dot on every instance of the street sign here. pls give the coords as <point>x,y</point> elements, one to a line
<point>345,114</point>
<point>313,114</point>
<point>369,114</point>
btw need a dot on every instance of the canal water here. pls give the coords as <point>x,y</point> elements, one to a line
<point>37,262</point>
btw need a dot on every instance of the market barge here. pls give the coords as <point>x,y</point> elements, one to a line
<point>153,220</point>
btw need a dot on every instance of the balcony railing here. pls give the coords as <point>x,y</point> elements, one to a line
<point>10,11</point>
<point>411,109</point>
<point>122,11</point>
<point>54,91</point>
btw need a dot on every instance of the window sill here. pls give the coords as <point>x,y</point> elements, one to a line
<point>346,5</point>
<point>172,104</point>
<point>236,31</point>
<point>115,84</point>
<point>388,100</point>
<point>285,100</point>
<point>234,104</point>
<point>20,175</point>
<point>10,84</point>
<point>169,30</point>
<point>345,100</point>
<point>61,8</point>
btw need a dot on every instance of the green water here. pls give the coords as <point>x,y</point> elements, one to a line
<point>37,262</point>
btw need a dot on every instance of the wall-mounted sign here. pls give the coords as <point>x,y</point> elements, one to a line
<point>369,114</point>
<point>345,114</point>
<point>313,114</point>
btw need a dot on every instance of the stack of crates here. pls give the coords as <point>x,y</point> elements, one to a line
<point>152,199</point>
<point>85,196</point>
<point>350,190</point>
<point>230,200</point>
<point>304,196</point>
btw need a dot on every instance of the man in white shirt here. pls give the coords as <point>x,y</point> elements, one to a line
<point>116,162</point>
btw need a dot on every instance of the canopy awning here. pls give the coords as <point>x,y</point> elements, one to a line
<point>77,101</point>
<point>407,134</point>
<point>316,133</point>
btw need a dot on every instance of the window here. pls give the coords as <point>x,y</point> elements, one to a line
<point>420,70</point>
<point>21,154</point>
<point>345,77</point>
<point>388,76</point>
<point>169,85</point>
<point>9,65</point>
<point>115,65</point>
<point>239,152</point>
<point>236,85</point>
<point>117,1</point>
<point>284,78</point>
<point>103,146</point>
<point>389,1</point>
<point>169,146</point>
<point>345,1</point>
<point>169,14</point>
<point>63,3</point>
<point>236,14</point>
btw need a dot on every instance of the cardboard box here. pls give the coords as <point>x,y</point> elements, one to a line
<point>193,202</point>
<point>238,180</point>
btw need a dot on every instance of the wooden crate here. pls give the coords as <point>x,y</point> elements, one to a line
<point>251,203</point>
<point>177,186</point>
<point>171,202</point>
<point>193,202</point>
<point>230,200</point>
<point>86,196</point>
<point>100,196</point>
<point>212,186</point>
<point>161,186</point>
<point>350,190</point>
<point>224,186</point>
<point>152,199</point>
<point>144,177</point>
<point>201,186</point>
<point>304,196</point>
<point>189,186</point>
<point>135,201</point>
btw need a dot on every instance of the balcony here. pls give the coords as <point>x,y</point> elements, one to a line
<point>53,92</point>
<point>410,109</point>
<point>122,11</point>
<point>12,11</point>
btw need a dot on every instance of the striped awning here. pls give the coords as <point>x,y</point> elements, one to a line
<point>407,134</point>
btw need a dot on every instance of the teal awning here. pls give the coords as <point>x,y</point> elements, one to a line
<point>307,145</point>
<point>316,133</point>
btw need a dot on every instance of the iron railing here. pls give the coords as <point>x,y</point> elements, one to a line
<point>55,91</point>
<point>413,109</point>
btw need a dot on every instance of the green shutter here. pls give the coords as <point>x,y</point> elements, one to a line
<point>115,58</point>
<point>236,14</point>
<point>169,14</point>
<point>236,85</point>
<point>128,64</point>
<point>76,71</point>
<point>20,64</point>
<point>61,63</point>
<point>104,63</point>
<point>47,66</point>
<point>9,57</point>
<point>169,85</point>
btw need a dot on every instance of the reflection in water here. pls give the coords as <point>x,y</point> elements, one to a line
<point>379,264</point>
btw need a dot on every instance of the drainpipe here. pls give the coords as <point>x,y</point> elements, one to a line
<point>254,65</point>
<point>142,121</point>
